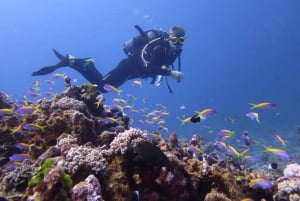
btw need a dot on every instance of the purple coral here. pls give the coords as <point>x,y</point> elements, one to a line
<point>89,189</point>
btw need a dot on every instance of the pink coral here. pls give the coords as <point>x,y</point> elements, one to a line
<point>125,140</point>
<point>292,170</point>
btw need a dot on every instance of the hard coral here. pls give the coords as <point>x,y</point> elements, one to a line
<point>292,170</point>
<point>66,103</point>
<point>173,185</point>
<point>216,196</point>
<point>288,189</point>
<point>81,124</point>
<point>89,189</point>
<point>118,180</point>
<point>87,158</point>
<point>15,182</point>
<point>124,141</point>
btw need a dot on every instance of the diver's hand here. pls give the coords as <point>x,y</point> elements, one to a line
<point>176,75</point>
<point>158,80</point>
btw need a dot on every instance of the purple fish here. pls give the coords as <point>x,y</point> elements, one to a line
<point>221,155</point>
<point>260,183</point>
<point>283,155</point>
<point>19,157</point>
<point>12,165</point>
<point>33,127</point>
<point>253,116</point>
<point>251,158</point>
<point>24,110</point>
<point>221,145</point>
<point>22,146</point>
<point>111,88</point>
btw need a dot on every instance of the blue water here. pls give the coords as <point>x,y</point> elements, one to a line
<point>237,52</point>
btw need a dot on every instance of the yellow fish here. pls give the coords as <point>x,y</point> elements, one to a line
<point>109,87</point>
<point>184,121</point>
<point>266,105</point>
<point>99,101</point>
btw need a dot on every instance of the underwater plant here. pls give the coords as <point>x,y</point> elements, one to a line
<point>45,168</point>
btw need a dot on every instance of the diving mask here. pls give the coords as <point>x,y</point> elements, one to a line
<point>177,40</point>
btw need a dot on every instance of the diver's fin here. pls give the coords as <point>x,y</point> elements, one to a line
<point>140,30</point>
<point>57,54</point>
<point>45,70</point>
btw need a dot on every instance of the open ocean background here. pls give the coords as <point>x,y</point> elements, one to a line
<point>237,52</point>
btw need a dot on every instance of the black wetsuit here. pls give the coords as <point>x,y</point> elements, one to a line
<point>156,60</point>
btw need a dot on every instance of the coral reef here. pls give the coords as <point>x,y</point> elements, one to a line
<point>69,148</point>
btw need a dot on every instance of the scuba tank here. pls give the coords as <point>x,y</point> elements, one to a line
<point>134,46</point>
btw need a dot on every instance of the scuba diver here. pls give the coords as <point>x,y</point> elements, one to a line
<point>149,55</point>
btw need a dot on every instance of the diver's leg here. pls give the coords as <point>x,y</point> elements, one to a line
<point>65,61</point>
<point>85,66</point>
<point>120,74</point>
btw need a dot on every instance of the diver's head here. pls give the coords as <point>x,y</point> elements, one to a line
<point>176,37</point>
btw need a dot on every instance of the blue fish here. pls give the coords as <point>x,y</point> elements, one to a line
<point>19,157</point>
<point>22,146</point>
<point>12,165</point>
<point>34,127</point>
<point>283,155</point>
<point>26,109</point>
<point>260,183</point>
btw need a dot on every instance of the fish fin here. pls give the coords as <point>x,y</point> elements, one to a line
<point>202,117</point>
<point>253,106</point>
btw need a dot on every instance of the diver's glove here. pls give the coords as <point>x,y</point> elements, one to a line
<point>158,80</point>
<point>176,75</point>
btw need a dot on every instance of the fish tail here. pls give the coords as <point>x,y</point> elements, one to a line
<point>43,128</point>
<point>119,92</point>
<point>253,106</point>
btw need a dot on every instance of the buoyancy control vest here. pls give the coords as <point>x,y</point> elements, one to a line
<point>137,47</point>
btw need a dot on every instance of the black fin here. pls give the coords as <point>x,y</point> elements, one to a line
<point>57,54</point>
<point>45,70</point>
<point>140,30</point>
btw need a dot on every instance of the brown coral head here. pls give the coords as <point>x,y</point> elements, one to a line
<point>173,138</point>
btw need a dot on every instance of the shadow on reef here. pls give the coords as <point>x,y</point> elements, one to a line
<point>74,147</point>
